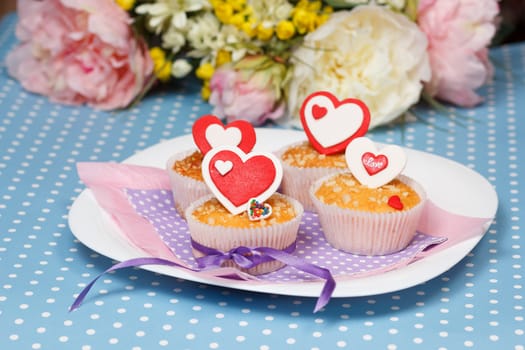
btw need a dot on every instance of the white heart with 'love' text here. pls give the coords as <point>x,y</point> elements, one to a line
<point>372,167</point>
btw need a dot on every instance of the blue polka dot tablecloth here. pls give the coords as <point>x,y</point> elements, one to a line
<point>477,304</point>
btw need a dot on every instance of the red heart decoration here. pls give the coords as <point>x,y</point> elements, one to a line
<point>253,175</point>
<point>201,125</point>
<point>374,164</point>
<point>331,124</point>
<point>395,202</point>
<point>318,112</point>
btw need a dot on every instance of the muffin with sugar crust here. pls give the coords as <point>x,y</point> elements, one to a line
<point>302,165</point>
<point>368,221</point>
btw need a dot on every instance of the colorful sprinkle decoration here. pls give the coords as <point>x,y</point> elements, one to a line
<point>258,211</point>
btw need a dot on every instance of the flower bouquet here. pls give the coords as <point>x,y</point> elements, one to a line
<point>257,60</point>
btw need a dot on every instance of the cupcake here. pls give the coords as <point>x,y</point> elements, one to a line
<point>212,226</point>
<point>373,209</point>
<point>244,211</point>
<point>184,168</point>
<point>362,220</point>
<point>302,165</point>
<point>330,125</point>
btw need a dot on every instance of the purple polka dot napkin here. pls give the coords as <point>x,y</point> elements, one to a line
<point>156,206</point>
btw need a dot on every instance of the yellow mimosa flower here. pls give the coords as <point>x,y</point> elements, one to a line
<point>126,4</point>
<point>237,20</point>
<point>304,21</point>
<point>264,33</point>
<point>314,6</point>
<point>285,30</point>
<point>302,4</point>
<point>162,70</point>
<point>224,12</point>
<point>161,66</point>
<point>205,90</point>
<point>237,5</point>
<point>205,71</point>
<point>157,54</point>
<point>223,57</point>
<point>249,28</point>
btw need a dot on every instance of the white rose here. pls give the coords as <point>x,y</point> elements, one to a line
<point>369,53</point>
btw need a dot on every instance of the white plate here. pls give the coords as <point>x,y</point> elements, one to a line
<point>448,184</point>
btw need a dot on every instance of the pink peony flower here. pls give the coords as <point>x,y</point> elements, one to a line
<point>459,32</point>
<point>78,52</point>
<point>249,90</point>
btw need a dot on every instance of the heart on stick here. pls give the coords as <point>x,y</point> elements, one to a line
<point>331,124</point>
<point>372,167</point>
<point>209,132</point>
<point>235,177</point>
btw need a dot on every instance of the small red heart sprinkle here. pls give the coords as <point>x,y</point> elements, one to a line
<point>395,202</point>
<point>318,112</point>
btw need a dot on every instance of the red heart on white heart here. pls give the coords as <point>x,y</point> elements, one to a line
<point>235,177</point>
<point>374,163</point>
<point>209,132</point>
<point>372,167</point>
<point>318,112</point>
<point>331,124</point>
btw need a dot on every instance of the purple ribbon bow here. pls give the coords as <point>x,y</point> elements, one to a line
<point>245,257</point>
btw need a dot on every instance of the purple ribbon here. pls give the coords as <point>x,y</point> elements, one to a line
<point>127,263</point>
<point>245,257</point>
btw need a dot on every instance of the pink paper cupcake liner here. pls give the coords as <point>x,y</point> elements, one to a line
<point>185,189</point>
<point>369,233</point>
<point>296,181</point>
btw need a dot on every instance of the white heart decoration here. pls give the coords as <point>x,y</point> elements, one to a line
<point>337,123</point>
<point>368,164</point>
<point>217,135</point>
<point>223,167</point>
